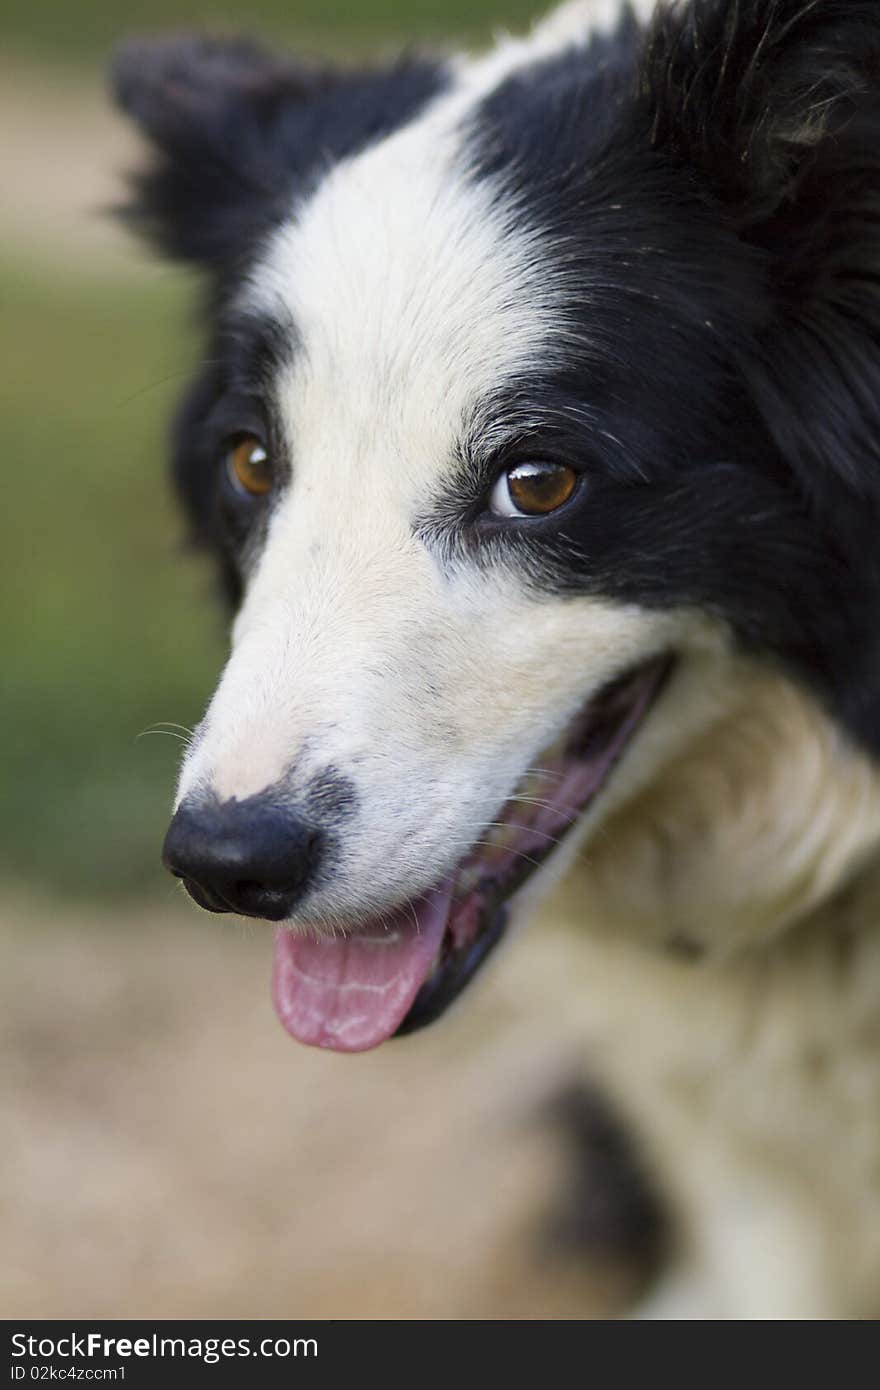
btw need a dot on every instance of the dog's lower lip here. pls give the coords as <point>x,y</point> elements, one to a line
<point>599,735</point>
<point>444,985</point>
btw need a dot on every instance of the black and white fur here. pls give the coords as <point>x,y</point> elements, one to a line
<point>649,247</point>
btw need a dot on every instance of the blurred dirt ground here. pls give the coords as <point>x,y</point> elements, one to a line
<point>63,169</point>
<point>169,1152</point>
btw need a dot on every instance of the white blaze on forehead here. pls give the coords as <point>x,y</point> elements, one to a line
<point>577,19</point>
<point>411,284</point>
<point>570,25</point>
<point>414,289</point>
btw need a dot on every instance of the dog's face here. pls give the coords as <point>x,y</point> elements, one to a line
<point>507,446</point>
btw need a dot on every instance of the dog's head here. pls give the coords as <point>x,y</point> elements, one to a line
<point>539,389</point>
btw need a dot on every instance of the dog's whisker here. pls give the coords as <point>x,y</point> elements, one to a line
<point>543,804</point>
<point>509,825</point>
<point>160,382</point>
<point>517,853</point>
<point>415,917</point>
<point>464,843</point>
<point>167,733</point>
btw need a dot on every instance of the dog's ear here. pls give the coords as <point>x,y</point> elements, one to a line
<point>217,113</point>
<point>236,131</point>
<point>776,106</point>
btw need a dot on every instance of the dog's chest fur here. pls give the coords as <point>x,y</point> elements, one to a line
<point>750,1076</point>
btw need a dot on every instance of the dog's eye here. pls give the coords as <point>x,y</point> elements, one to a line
<point>249,468</point>
<point>532,489</point>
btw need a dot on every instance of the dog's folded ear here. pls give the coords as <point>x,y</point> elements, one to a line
<point>237,131</point>
<point>753,92</point>
<point>217,112</point>
<point>776,105</point>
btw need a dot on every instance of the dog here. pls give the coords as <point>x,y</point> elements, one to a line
<point>536,440</point>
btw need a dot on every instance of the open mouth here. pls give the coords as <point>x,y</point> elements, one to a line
<point>399,972</point>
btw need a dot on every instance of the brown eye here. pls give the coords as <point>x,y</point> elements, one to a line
<point>249,468</point>
<point>532,489</point>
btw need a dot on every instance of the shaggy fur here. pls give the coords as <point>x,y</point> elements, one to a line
<point>647,248</point>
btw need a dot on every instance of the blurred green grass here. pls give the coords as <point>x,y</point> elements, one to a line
<point>107,628</point>
<point>87,28</point>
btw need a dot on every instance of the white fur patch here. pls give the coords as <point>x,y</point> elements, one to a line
<point>570,25</point>
<point>416,293</point>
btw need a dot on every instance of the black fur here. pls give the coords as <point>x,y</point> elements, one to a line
<point>230,394</point>
<point>715,191</point>
<point>611,1211</point>
<point>239,134</point>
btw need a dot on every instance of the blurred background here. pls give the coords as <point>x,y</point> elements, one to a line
<point>167,1151</point>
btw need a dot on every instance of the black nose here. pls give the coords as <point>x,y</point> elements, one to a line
<point>252,857</point>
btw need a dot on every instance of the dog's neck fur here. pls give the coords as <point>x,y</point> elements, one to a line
<point>760,850</point>
<point>763,828</point>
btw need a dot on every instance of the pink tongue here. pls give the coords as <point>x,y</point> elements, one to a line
<point>351,993</point>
